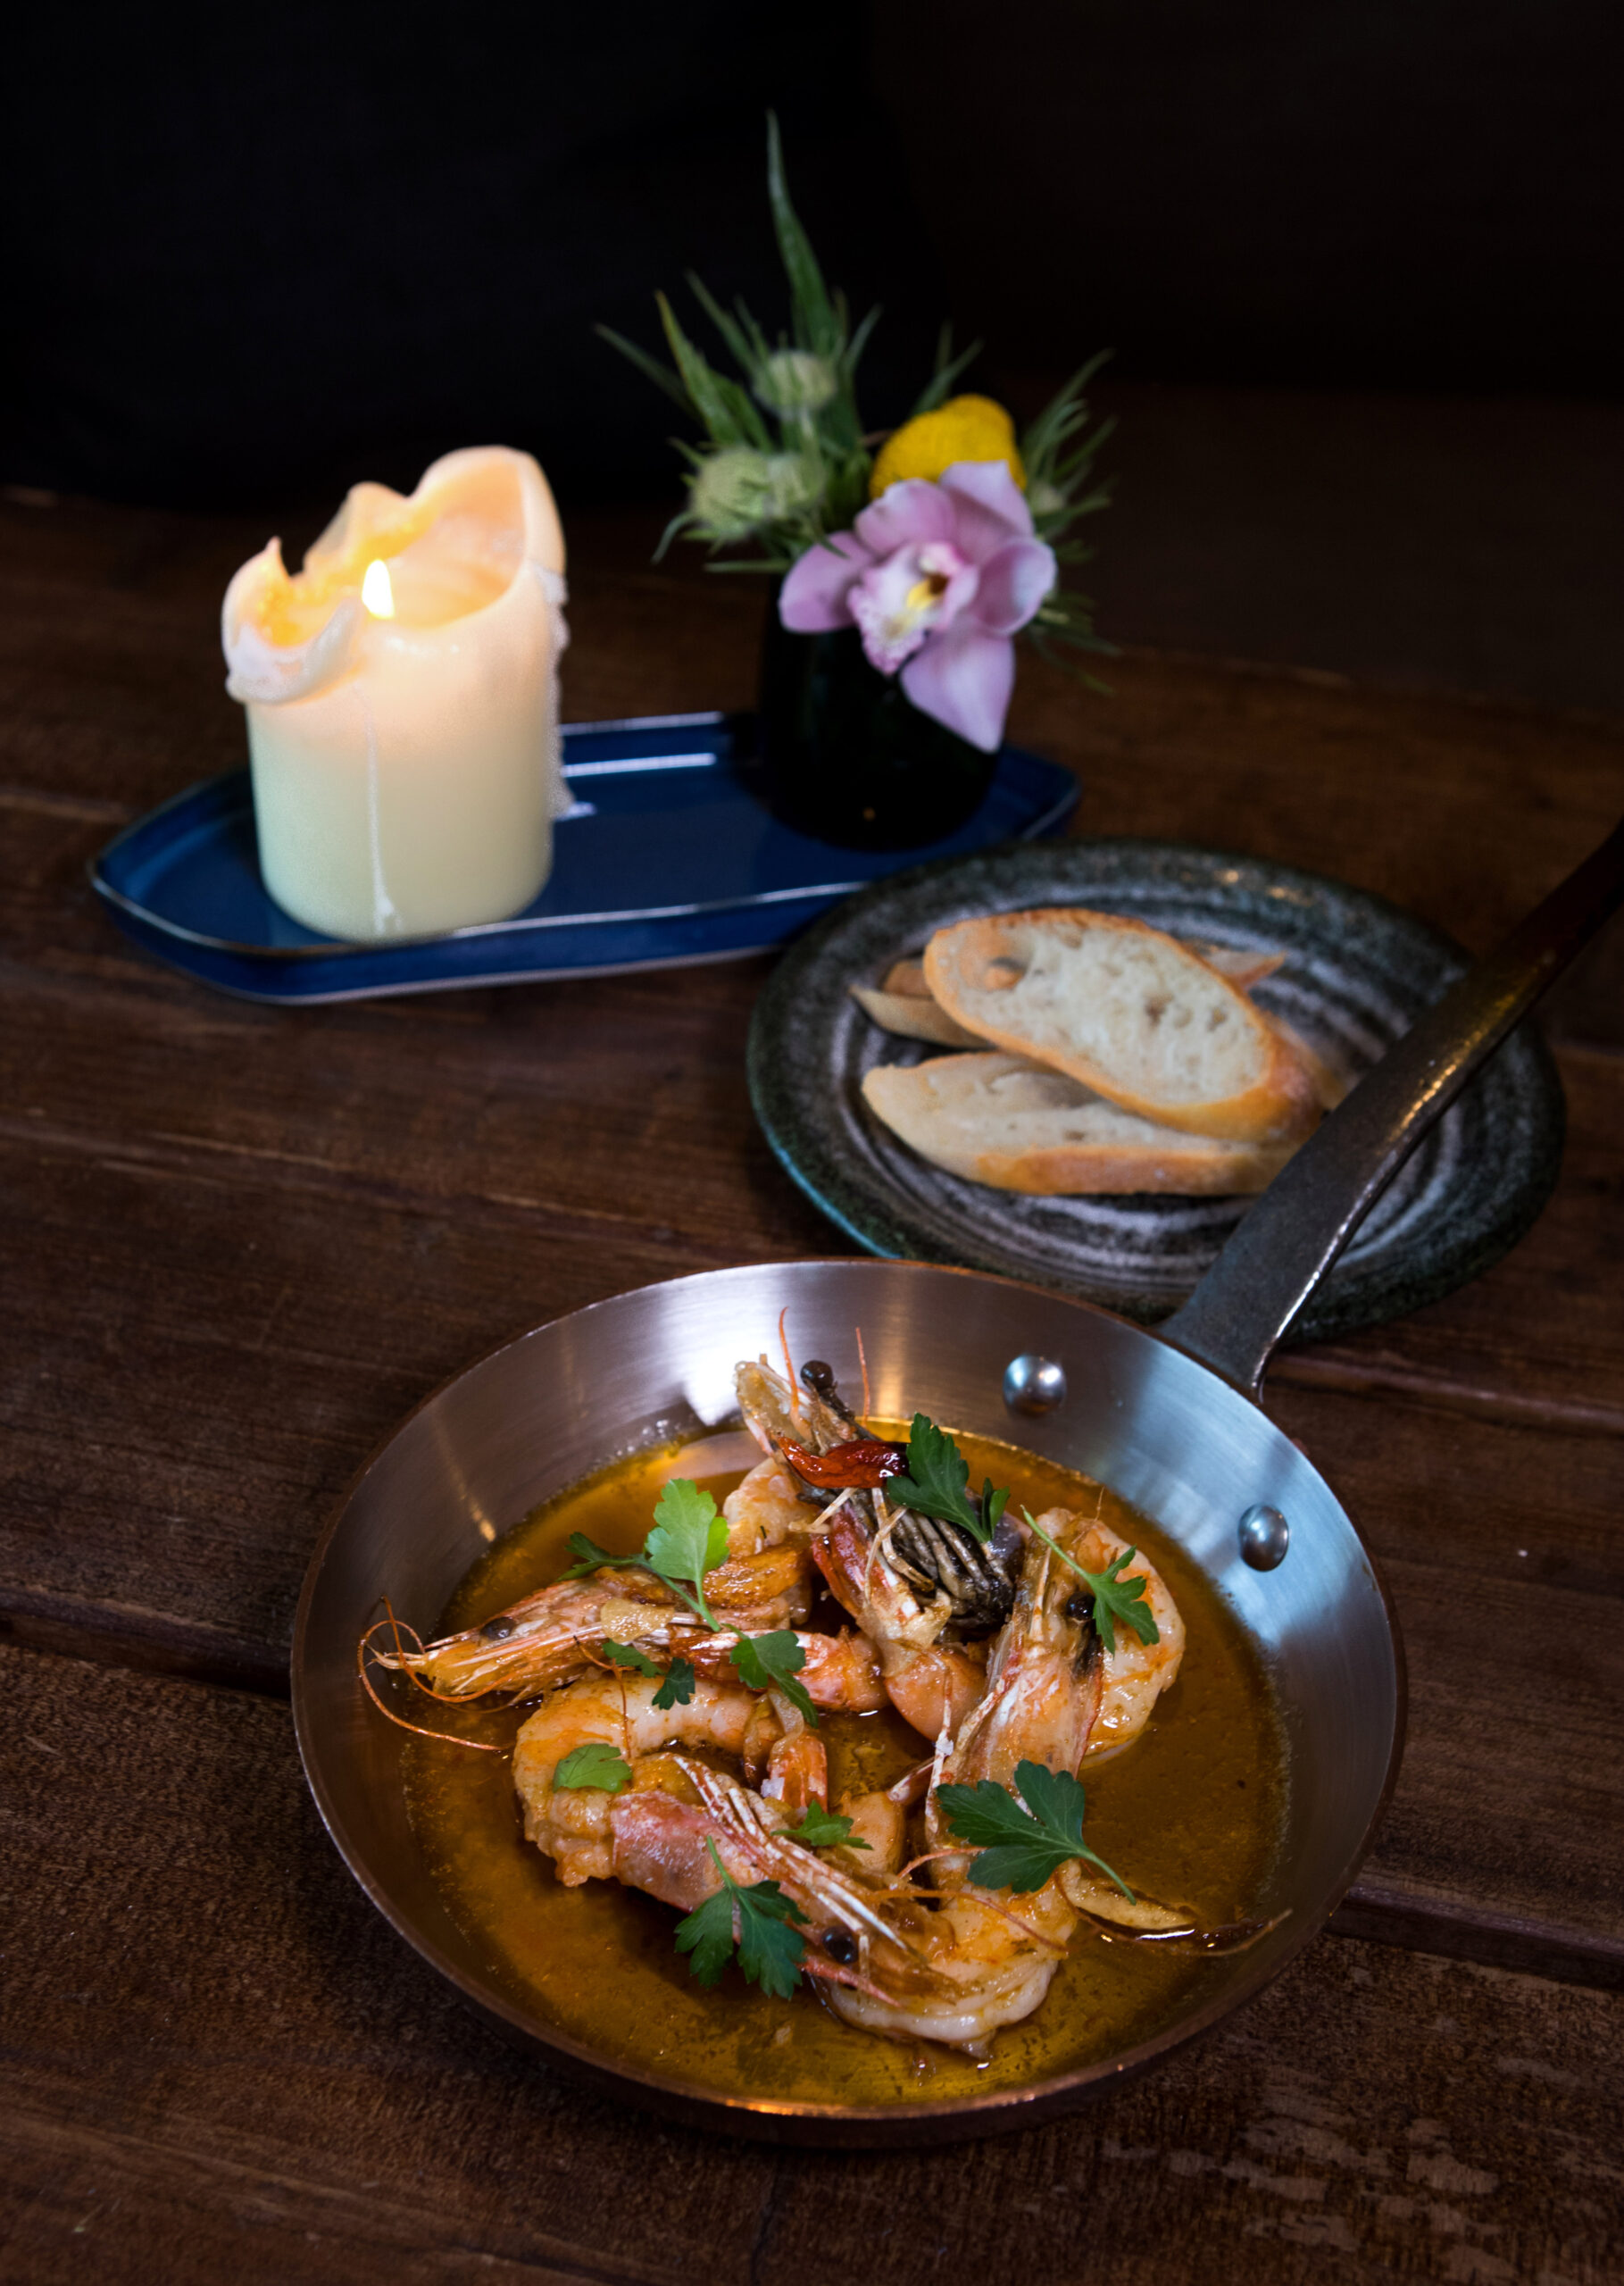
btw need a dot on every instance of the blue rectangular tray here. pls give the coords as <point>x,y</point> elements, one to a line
<point>666,856</point>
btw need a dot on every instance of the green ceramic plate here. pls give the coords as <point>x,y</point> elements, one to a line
<point>1357,973</point>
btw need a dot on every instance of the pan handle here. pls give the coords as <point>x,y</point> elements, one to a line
<point>1244,1304</point>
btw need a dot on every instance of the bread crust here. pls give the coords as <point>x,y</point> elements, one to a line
<point>1279,1102</point>
<point>910,1100</point>
<point>912,1016</point>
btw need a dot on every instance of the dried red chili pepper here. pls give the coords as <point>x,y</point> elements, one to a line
<point>862,1465</point>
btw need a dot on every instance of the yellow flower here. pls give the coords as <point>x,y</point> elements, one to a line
<point>964,429</point>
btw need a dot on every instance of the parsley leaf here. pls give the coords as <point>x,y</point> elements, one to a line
<point>674,1691</point>
<point>590,1557</point>
<point>689,1538</point>
<point>933,1485</point>
<point>769,1949</point>
<point>677,1688</point>
<point>937,1472</point>
<point>1022,1846</point>
<point>821,1829</point>
<point>593,1765</point>
<point>626,1655</point>
<point>1114,1597</point>
<point>1123,1600</point>
<point>772,1662</point>
<point>707,1934</point>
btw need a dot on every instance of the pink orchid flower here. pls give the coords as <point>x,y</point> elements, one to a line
<point>935,578</point>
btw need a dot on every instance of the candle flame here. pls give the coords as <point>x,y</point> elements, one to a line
<point>376,593</point>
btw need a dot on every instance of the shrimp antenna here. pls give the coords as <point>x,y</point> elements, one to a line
<point>403,1660</point>
<point>828,1973</point>
<point>789,1370</point>
<point>446,1738</point>
<point>863,1360</point>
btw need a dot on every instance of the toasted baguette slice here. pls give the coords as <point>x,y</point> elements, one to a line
<point>904,1004</point>
<point>907,978</point>
<point>998,1118</point>
<point>1243,967</point>
<point>1129,1012</point>
<point>1328,1080</point>
<point>913,1016</point>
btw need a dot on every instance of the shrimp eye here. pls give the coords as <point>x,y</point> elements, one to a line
<point>1080,1606</point>
<point>495,1631</point>
<point>840,1948</point>
<point>818,1377</point>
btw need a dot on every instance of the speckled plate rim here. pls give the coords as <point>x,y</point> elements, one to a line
<point>1518,1095</point>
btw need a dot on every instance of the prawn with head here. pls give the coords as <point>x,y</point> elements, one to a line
<point>669,1794</point>
<point>551,1638</point>
<point>914,1584</point>
<point>952,1963</point>
<point>671,1821</point>
<point>1063,1682</point>
<point>982,1958</point>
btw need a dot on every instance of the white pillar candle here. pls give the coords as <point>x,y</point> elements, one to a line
<point>402,693</point>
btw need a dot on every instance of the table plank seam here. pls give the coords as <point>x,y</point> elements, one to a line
<point>399,2219</point>
<point>1350,1376</point>
<point>41,801</point>
<point>1417,1923</point>
<point>307,1174</point>
<point>140,1642</point>
<point>205,1161</point>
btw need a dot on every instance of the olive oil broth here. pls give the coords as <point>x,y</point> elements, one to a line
<point>1190,1813</point>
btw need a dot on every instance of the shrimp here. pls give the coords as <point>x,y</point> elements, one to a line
<point>1054,1693</point>
<point>766,1508</point>
<point>1135,1674</point>
<point>1044,1676</point>
<point>931,1682</point>
<point>928,1679</point>
<point>817,1440</point>
<point>983,1959</point>
<point>837,1672</point>
<point>545,1641</point>
<point>578,1826</point>
<point>960,1973</point>
<point>893,1961</point>
<point>574,1825</point>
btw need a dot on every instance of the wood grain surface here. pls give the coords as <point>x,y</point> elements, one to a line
<point>218,2051</point>
<point>239,1243</point>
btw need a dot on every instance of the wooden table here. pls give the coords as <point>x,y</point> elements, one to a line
<point>240,1243</point>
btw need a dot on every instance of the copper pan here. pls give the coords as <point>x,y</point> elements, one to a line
<point>1169,1419</point>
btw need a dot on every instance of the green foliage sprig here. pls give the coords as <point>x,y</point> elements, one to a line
<point>770,1948</point>
<point>678,1686</point>
<point>787,460</point>
<point>689,1538</point>
<point>1023,1842</point>
<point>935,1479</point>
<point>1115,1598</point>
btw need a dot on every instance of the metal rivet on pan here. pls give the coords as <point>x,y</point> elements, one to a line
<point>1264,1536</point>
<point>1033,1384</point>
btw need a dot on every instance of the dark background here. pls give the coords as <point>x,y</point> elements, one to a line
<point>252,249</point>
<point>1358,266</point>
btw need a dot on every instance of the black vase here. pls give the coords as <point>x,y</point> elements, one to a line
<point>847,758</point>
